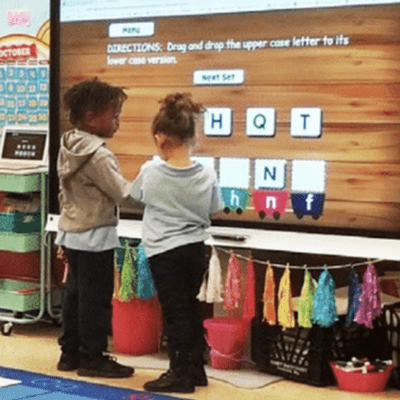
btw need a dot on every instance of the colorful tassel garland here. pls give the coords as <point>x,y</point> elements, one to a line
<point>269,310</point>
<point>370,302</point>
<point>305,306</point>
<point>354,294</point>
<point>232,285</point>
<point>145,288</point>
<point>324,304</point>
<point>285,306</point>
<point>249,307</point>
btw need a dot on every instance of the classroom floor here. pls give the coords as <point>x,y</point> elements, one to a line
<point>33,347</point>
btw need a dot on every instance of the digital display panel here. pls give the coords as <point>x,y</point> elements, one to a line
<point>302,100</point>
<point>24,145</point>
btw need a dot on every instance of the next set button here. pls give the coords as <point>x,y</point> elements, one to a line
<point>218,77</point>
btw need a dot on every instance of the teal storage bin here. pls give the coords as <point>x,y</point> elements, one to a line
<point>18,222</point>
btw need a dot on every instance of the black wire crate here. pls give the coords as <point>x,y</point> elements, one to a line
<point>392,321</point>
<point>304,354</point>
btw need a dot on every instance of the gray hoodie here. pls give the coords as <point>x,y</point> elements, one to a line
<point>91,185</point>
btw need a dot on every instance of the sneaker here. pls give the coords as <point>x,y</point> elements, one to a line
<point>68,362</point>
<point>104,367</point>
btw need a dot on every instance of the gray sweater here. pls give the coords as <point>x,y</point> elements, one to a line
<point>178,204</point>
<point>91,185</point>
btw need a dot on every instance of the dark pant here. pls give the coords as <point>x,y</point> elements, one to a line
<point>87,302</point>
<point>178,275</point>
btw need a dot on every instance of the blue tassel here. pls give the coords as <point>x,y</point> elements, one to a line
<point>355,290</point>
<point>145,284</point>
<point>324,304</point>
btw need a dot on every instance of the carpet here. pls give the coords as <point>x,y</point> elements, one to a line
<point>22,385</point>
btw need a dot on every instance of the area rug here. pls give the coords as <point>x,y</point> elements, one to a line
<point>22,385</point>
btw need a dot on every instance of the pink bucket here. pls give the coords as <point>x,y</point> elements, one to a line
<point>227,337</point>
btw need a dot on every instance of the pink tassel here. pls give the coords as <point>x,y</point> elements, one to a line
<point>370,302</point>
<point>232,285</point>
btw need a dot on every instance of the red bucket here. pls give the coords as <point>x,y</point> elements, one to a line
<point>227,337</point>
<point>136,326</point>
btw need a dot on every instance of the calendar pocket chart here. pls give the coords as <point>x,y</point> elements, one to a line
<point>24,94</point>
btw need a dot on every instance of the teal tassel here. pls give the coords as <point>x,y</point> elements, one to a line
<point>324,305</point>
<point>354,291</point>
<point>119,256</point>
<point>145,284</point>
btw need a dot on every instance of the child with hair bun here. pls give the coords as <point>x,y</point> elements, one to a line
<point>179,196</point>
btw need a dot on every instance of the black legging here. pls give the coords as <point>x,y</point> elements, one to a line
<point>178,274</point>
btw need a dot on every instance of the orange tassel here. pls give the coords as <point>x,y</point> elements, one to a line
<point>269,312</point>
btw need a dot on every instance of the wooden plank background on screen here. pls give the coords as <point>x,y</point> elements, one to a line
<point>356,86</point>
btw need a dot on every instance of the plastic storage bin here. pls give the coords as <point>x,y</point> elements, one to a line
<point>19,222</point>
<point>19,295</point>
<point>17,265</point>
<point>23,296</point>
<point>227,337</point>
<point>136,326</point>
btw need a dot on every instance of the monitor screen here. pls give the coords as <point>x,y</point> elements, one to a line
<point>23,144</point>
<point>301,98</point>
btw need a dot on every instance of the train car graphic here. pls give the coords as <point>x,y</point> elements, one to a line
<point>235,199</point>
<point>308,204</point>
<point>270,202</point>
<point>308,187</point>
